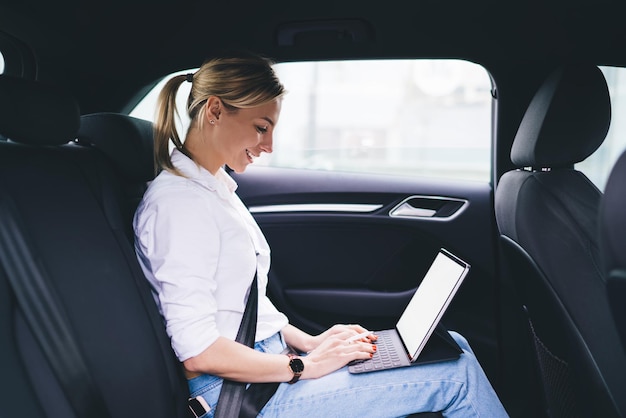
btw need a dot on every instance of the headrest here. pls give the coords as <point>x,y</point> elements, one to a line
<point>126,140</point>
<point>613,218</point>
<point>35,113</point>
<point>566,121</point>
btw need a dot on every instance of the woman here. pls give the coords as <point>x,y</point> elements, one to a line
<point>199,248</point>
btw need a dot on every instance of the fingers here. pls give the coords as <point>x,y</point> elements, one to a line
<point>359,337</point>
<point>365,336</point>
<point>350,333</point>
<point>357,328</point>
<point>335,352</point>
<point>348,342</point>
<point>361,350</point>
<point>347,327</point>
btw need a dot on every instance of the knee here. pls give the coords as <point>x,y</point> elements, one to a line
<point>461,341</point>
<point>468,360</point>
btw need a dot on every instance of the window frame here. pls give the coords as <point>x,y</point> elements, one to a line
<point>485,160</point>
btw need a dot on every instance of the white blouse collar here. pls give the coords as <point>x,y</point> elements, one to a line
<point>221,182</point>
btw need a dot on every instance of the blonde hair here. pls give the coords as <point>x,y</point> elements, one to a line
<point>240,82</point>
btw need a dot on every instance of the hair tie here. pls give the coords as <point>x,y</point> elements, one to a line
<point>190,77</point>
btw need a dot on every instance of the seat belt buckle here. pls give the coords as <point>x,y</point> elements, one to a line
<point>198,406</point>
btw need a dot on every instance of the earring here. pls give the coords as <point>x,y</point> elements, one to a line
<point>212,122</point>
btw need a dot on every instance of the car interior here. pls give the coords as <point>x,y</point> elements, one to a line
<point>547,218</point>
<point>520,172</point>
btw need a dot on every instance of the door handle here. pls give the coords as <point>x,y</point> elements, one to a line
<point>428,207</point>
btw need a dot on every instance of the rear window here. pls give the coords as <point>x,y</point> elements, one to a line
<point>598,166</point>
<point>399,117</point>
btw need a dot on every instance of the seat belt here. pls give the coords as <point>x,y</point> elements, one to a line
<point>232,393</point>
<point>234,400</point>
<point>45,316</point>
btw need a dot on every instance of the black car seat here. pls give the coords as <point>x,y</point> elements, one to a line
<point>128,143</point>
<point>546,213</point>
<point>70,208</point>
<point>613,242</point>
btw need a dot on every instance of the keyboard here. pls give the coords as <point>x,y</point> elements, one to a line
<point>387,355</point>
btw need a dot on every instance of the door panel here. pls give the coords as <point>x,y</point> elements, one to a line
<point>338,256</point>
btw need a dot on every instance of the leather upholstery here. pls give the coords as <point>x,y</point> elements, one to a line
<point>613,242</point>
<point>35,113</point>
<point>566,121</point>
<point>548,225</point>
<point>72,200</point>
<point>127,141</point>
<point>613,218</point>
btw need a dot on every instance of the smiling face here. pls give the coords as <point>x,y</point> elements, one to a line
<point>245,133</point>
<point>233,137</point>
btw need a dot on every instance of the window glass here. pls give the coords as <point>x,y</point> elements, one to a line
<point>598,166</point>
<point>402,117</point>
<point>146,108</point>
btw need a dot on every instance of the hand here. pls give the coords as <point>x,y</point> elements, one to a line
<point>336,350</point>
<point>339,329</point>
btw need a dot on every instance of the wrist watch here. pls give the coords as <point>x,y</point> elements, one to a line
<point>296,366</point>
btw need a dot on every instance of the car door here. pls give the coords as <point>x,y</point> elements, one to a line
<point>369,177</point>
<point>352,248</point>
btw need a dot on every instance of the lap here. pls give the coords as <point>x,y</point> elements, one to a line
<point>395,392</point>
<point>455,386</point>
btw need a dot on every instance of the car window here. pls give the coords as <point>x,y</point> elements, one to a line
<point>598,166</point>
<point>403,117</point>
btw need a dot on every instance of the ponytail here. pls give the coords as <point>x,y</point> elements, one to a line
<point>165,126</point>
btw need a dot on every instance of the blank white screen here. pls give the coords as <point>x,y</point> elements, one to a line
<point>429,302</point>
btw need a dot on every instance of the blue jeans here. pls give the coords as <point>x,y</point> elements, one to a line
<point>458,388</point>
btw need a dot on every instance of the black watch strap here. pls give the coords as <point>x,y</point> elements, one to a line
<point>296,366</point>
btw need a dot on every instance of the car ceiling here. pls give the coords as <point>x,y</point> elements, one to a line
<point>111,49</point>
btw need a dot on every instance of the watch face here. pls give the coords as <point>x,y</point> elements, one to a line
<point>296,365</point>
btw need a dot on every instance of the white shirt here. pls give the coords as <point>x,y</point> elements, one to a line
<point>197,244</point>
